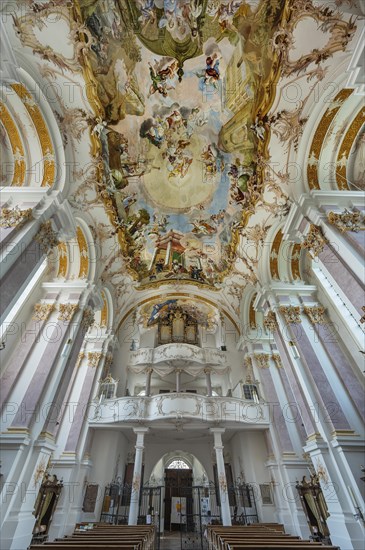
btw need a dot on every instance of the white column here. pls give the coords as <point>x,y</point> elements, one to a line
<point>222,480</point>
<point>209,382</point>
<point>148,381</point>
<point>137,472</point>
<point>178,373</point>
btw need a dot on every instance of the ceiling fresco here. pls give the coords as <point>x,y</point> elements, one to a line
<point>185,86</point>
<point>181,132</point>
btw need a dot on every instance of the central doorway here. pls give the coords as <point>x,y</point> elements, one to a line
<point>178,495</point>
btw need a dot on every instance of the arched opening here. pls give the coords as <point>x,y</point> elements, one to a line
<point>185,482</point>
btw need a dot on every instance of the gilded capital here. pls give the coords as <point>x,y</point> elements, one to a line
<point>315,314</point>
<point>42,311</point>
<point>80,357</point>
<point>248,362</point>
<point>66,311</point>
<point>291,314</point>
<point>277,360</point>
<point>14,217</point>
<point>93,358</point>
<point>262,360</point>
<point>314,241</point>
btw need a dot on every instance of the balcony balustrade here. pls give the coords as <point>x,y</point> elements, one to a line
<point>179,406</point>
<point>177,351</point>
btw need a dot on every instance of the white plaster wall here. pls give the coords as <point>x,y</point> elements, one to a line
<point>249,453</point>
<point>108,456</point>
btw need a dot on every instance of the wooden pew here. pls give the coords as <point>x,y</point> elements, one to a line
<point>104,536</point>
<point>257,537</point>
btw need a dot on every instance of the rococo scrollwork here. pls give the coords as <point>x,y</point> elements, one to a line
<point>14,217</point>
<point>315,314</point>
<point>67,311</point>
<point>314,241</point>
<point>270,321</point>
<point>291,314</point>
<point>42,311</point>
<point>47,237</point>
<point>347,221</point>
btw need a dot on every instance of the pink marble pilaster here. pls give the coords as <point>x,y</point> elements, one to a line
<point>59,402</point>
<point>344,277</point>
<point>277,417</point>
<point>343,367</point>
<point>30,409</point>
<point>18,359</point>
<point>309,424</point>
<point>334,416</point>
<point>81,412</point>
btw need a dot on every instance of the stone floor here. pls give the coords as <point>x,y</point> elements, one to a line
<point>170,541</point>
<point>173,541</point>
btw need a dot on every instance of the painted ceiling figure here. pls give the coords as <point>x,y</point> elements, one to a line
<point>205,150</point>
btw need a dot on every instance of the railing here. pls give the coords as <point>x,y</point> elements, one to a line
<point>179,406</point>
<point>200,507</point>
<point>183,352</point>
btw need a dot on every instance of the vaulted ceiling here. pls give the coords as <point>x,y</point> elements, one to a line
<point>180,120</point>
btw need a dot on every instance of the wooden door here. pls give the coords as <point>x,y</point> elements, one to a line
<point>177,483</point>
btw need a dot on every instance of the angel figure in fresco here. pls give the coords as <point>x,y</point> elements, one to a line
<point>148,14</point>
<point>176,18</point>
<point>159,224</point>
<point>209,158</point>
<point>161,77</point>
<point>196,119</point>
<point>212,73</point>
<point>192,12</point>
<point>258,128</point>
<point>213,7</point>
<point>226,14</point>
<point>203,227</point>
<point>179,165</point>
<point>156,133</point>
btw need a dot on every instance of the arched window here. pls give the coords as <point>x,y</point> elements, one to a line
<point>178,464</point>
<point>108,387</point>
<point>250,392</point>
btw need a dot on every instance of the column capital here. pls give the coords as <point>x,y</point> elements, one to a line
<point>291,314</point>
<point>217,430</point>
<point>66,311</point>
<point>141,431</point>
<point>316,314</point>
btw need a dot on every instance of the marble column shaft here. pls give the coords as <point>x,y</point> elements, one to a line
<point>137,476</point>
<point>29,409</point>
<point>222,480</point>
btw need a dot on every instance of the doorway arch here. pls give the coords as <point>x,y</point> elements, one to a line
<point>199,472</point>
